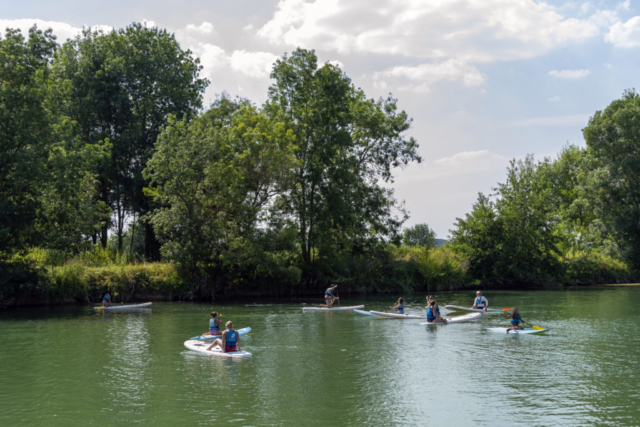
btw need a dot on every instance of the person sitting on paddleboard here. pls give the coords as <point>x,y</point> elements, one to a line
<point>214,324</point>
<point>433,312</point>
<point>229,341</point>
<point>480,303</point>
<point>329,298</point>
<point>399,306</point>
<point>515,320</point>
<point>106,300</point>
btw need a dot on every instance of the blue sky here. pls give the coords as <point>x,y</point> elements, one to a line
<point>484,80</point>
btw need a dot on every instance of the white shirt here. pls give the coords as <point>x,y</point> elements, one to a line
<point>483,301</point>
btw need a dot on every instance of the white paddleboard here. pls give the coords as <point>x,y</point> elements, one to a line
<point>458,319</point>
<point>201,347</point>
<point>242,331</point>
<point>458,308</point>
<point>353,307</point>
<point>398,315</point>
<point>366,313</point>
<point>123,307</point>
<point>513,332</point>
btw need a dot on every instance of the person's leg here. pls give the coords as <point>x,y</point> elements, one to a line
<point>216,342</point>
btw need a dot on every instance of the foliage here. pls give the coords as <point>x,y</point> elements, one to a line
<point>346,146</point>
<point>121,87</point>
<point>613,139</point>
<point>420,235</point>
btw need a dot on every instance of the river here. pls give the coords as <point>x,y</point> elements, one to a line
<point>73,366</point>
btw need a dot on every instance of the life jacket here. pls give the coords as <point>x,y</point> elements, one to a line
<point>515,321</point>
<point>430,316</point>
<point>232,338</point>
<point>479,302</point>
<point>327,293</point>
<point>213,326</point>
<point>106,298</point>
<point>401,309</point>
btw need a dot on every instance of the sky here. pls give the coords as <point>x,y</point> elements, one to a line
<point>485,81</point>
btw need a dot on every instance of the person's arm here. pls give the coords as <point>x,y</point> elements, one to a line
<point>486,304</point>
<point>224,342</point>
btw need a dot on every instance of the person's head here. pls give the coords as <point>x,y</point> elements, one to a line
<point>515,311</point>
<point>229,325</point>
<point>214,314</point>
<point>478,293</point>
<point>400,300</point>
<point>429,298</point>
<point>432,302</point>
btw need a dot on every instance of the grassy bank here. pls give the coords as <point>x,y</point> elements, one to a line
<point>50,277</point>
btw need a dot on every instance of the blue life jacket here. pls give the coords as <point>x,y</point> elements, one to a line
<point>401,309</point>
<point>106,298</point>
<point>515,321</point>
<point>479,303</point>
<point>232,337</point>
<point>327,293</point>
<point>430,316</point>
<point>213,325</point>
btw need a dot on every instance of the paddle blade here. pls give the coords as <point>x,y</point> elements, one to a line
<point>506,309</point>
<point>538,328</point>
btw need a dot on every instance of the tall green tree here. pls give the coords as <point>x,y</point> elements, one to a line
<point>122,86</point>
<point>613,139</point>
<point>346,146</point>
<point>420,235</point>
<point>216,177</point>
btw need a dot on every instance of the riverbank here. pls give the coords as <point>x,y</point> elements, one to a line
<point>49,277</point>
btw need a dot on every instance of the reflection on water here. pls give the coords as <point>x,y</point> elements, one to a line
<point>72,366</point>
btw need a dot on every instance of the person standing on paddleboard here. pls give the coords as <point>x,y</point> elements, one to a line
<point>106,300</point>
<point>399,306</point>
<point>329,298</point>
<point>515,320</point>
<point>480,303</point>
<point>214,324</point>
<point>229,341</point>
<point>433,311</point>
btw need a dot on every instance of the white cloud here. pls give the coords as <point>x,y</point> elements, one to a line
<point>626,35</point>
<point>253,64</point>
<point>419,78</point>
<point>468,30</point>
<point>569,74</point>
<point>554,99</point>
<point>568,120</point>
<point>62,30</point>
<point>607,65</point>
<point>149,23</point>
<point>337,63</point>
<point>466,163</point>
<point>204,28</point>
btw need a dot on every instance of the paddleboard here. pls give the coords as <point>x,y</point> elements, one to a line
<point>123,307</point>
<point>201,347</point>
<point>332,309</point>
<point>242,331</point>
<point>458,308</point>
<point>398,315</point>
<point>366,313</point>
<point>523,331</point>
<point>458,319</point>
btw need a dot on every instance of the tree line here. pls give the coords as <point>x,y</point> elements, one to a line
<point>107,133</point>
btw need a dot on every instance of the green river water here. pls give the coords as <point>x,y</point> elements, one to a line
<point>73,366</point>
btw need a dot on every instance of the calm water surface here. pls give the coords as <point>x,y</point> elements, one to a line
<point>71,366</point>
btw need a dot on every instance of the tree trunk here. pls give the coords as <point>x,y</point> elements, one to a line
<point>151,244</point>
<point>104,236</point>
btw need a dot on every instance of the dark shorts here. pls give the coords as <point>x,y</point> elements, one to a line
<point>229,348</point>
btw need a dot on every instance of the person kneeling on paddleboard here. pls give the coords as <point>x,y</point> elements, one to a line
<point>214,324</point>
<point>399,306</point>
<point>106,300</point>
<point>480,303</point>
<point>229,341</point>
<point>433,312</point>
<point>515,320</point>
<point>329,298</point>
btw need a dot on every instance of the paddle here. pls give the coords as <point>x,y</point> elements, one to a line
<point>537,328</point>
<point>338,298</point>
